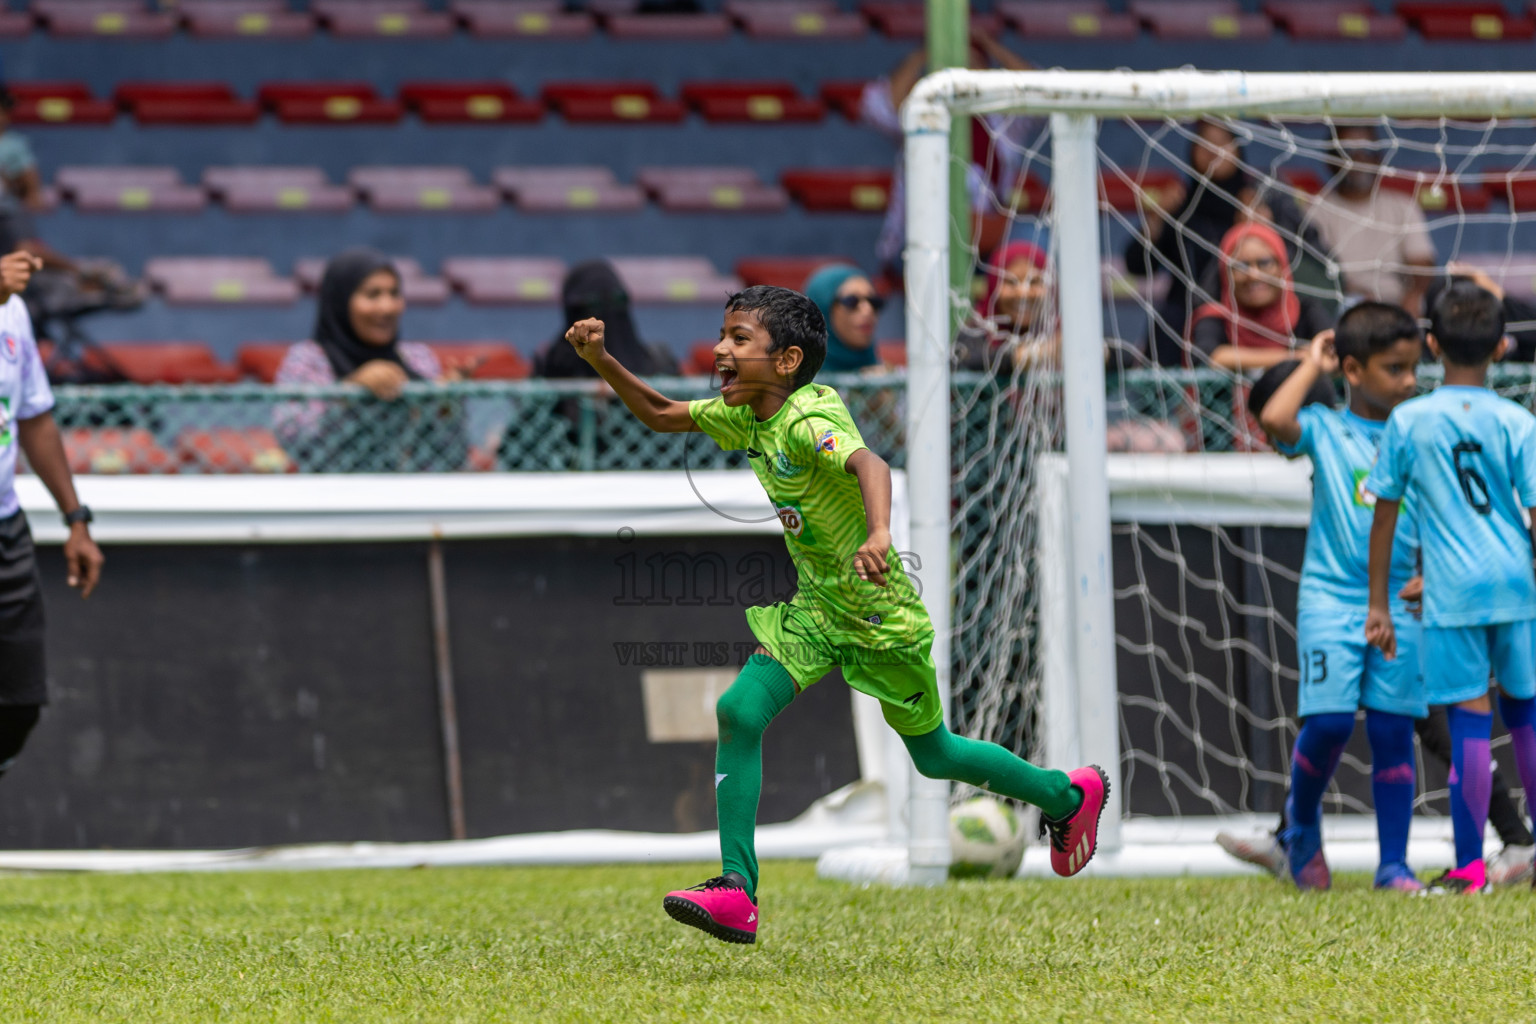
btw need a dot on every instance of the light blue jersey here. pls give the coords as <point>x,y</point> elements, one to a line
<point>1336,570</point>
<point>1470,458</point>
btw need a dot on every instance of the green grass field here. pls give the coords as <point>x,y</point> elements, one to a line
<point>584,944</point>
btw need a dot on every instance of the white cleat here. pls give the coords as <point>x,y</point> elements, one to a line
<point>1261,851</point>
<point>1512,865</point>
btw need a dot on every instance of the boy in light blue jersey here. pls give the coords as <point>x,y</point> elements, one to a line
<point>1377,347</point>
<point>1469,458</point>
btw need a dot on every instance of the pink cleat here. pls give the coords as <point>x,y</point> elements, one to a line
<point>719,906</point>
<point>1074,839</point>
<point>1471,880</point>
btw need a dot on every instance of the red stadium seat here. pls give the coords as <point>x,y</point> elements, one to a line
<point>674,279</point>
<point>386,19</point>
<point>855,189</point>
<point>185,103</point>
<point>1068,19</point>
<point>1515,187</point>
<point>782,271</point>
<point>704,25</point>
<point>1334,19</point>
<point>795,19</point>
<point>422,189</point>
<point>845,97</point>
<point>701,360</point>
<point>170,362</point>
<point>261,359</point>
<point>59,103</point>
<point>891,353</point>
<point>482,360</point>
<point>231,450</point>
<point>129,189</point>
<point>115,450</point>
<point>111,18</point>
<point>1478,19</point>
<point>1201,19</point>
<point>762,102</point>
<point>712,190</point>
<point>417,286</point>
<point>16,23</point>
<point>522,19</point>
<point>567,189</point>
<point>216,19</point>
<point>277,190</point>
<point>328,103</point>
<point>506,280</point>
<point>469,103</point>
<point>612,102</point>
<point>1118,194</point>
<point>219,281</point>
<point>1436,194</point>
<point>908,19</point>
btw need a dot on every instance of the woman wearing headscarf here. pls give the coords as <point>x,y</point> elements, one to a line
<point>357,341</point>
<point>851,308</point>
<point>1014,314</point>
<point>593,289</point>
<point>1259,317</point>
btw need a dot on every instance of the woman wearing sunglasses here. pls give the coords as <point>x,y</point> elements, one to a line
<point>852,310</point>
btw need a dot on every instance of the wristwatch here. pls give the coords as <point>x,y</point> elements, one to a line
<point>81,514</point>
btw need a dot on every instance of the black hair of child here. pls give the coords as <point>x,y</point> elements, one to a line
<point>1265,387</point>
<point>1468,324</point>
<point>790,319</point>
<point>1371,327</point>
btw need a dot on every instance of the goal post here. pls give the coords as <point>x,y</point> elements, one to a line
<point>1080,706</point>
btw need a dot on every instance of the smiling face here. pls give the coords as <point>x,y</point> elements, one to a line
<point>1020,293</point>
<point>749,373</point>
<point>375,308</point>
<point>1255,270</point>
<point>854,315</point>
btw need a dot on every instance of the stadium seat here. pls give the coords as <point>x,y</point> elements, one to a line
<point>482,360</point>
<point>417,286</point>
<point>328,103</point>
<point>59,103</point>
<point>219,281</point>
<point>703,25</point>
<point>782,271</point>
<point>751,102</point>
<point>422,189</point>
<point>1121,195</point>
<point>891,353</point>
<point>711,190</point>
<point>844,97</point>
<point>169,362</point>
<point>1488,20</point>
<point>532,19</point>
<point>1200,19</point>
<point>122,18</point>
<point>796,19</point>
<point>674,279</point>
<point>506,280</point>
<point>856,189</point>
<point>700,361</point>
<point>16,23</point>
<point>185,103</point>
<point>567,189</point>
<point>231,450</point>
<point>276,189</point>
<point>115,450</point>
<point>1068,19</point>
<point>612,102</point>
<point>469,103</point>
<point>908,19</point>
<point>129,189</point>
<point>1334,19</point>
<point>1436,194</point>
<point>260,360</point>
<point>1515,187</point>
<point>218,19</point>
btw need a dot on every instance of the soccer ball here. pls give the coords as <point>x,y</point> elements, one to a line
<point>986,839</point>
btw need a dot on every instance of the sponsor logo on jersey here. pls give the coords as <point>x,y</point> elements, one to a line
<point>10,347</point>
<point>827,442</point>
<point>1363,497</point>
<point>793,520</point>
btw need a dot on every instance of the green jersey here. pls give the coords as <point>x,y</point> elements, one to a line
<point>800,455</point>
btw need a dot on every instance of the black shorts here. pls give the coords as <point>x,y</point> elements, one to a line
<point>23,673</point>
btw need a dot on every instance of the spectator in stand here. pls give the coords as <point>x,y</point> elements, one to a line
<point>1259,317</point>
<point>1519,313</point>
<point>357,341</point>
<point>1377,235</point>
<point>593,289</point>
<point>1014,317</point>
<point>851,308</point>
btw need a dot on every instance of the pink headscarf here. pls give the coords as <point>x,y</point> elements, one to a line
<point>998,265</point>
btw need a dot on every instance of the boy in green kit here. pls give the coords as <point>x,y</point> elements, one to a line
<point>855,608</point>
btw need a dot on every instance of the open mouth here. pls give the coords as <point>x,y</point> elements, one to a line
<point>727,376</point>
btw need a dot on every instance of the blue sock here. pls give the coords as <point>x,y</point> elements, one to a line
<point>1318,748</point>
<point>1471,780</point>
<point>1392,781</point>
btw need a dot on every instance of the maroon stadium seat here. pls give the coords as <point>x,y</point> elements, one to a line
<point>416,285</point>
<point>245,18</point>
<point>219,281</point>
<point>519,19</point>
<point>482,360</point>
<point>1515,187</point>
<point>795,19</point>
<point>130,189</point>
<point>701,360</point>
<point>261,359</point>
<point>387,19</point>
<point>122,18</point>
<point>185,103</point>
<point>845,97</point>
<point>908,19</point>
<point>231,450</point>
<point>674,279</point>
<point>59,103</point>
<point>1068,19</point>
<point>276,189</point>
<point>506,280</point>
<point>170,362</point>
<point>1334,19</point>
<point>612,102</point>
<point>1201,19</point>
<point>891,353</point>
<point>857,189</point>
<point>469,103</point>
<point>711,190</point>
<point>1436,193</point>
<point>115,450</point>
<point>762,102</point>
<point>328,103</point>
<point>1469,19</point>
<point>422,189</point>
<point>16,23</point>
<point>567,189</point>
<point>704,25</point>
<point>782,271</point>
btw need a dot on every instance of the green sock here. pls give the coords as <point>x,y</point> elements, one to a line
<point>760,692</point>
<point>941,754</point>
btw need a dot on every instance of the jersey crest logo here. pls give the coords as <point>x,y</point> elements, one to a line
<point>783,468</point>
<point>1363,497</point>
<point>827,442</point>
<point>10,347</point>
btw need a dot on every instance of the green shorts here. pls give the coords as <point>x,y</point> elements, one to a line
<point>900,675</point>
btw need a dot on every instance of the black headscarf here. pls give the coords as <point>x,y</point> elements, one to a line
<point>344,275</point>
<point>593,289</point>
